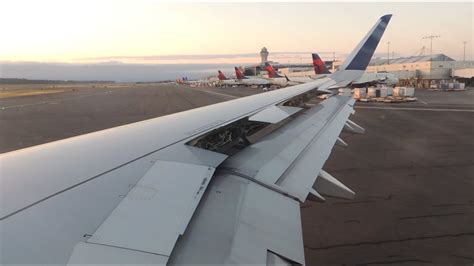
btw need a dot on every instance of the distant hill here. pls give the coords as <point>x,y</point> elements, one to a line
<point>46,81</point>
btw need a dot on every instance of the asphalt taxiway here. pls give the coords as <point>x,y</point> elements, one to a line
<point>32,120</point>
<point>413,170</point>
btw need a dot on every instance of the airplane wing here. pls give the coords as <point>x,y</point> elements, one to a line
<point>219,184</point>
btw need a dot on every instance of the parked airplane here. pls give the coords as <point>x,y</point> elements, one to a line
<point>223,80</point>
<point>186,81</point>
<point>319,66</point>
<point>283,81</point>
<point>182,80</point>
<point>250,81</point>
<point>366,79</point>
<point>186,188</point>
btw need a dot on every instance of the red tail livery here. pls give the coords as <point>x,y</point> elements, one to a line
<point>271,71</point>
<point>221,75</point>
<point>239,74</point>
<point>319,66</point>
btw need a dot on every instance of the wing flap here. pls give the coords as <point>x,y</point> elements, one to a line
<point>299,178</point>
<point>293,155</point>
<point>237,223</point>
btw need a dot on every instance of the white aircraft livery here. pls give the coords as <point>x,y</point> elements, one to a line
<point>203,186</point>
<point>367,78</point>
<point>249,81</point>
<point>223,80</point>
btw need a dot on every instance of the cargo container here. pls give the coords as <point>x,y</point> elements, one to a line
<point>371,92</point>
<point>399,91</point>
<point>359,93</point>
<point>409,92</point>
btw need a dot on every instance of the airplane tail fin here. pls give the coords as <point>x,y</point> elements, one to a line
<point>238,73</point>
<point>271,71</point>
<point>358,60</point>
<point>221,75</point>
<point>319,66</point>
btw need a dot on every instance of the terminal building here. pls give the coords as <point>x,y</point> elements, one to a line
<point>420,71</point>
<point>437,66</point>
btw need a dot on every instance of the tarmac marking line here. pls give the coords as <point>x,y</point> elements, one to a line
<point>433,215</point>
<point>53,101</point>
<point>423,102</point>
<point>416,109</point>
<point>390,241</point>
<point>217,93</point>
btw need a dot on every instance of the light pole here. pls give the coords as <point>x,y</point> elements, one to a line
<point>388,53</point>
<point>464,55</point>
<point>431,37</point>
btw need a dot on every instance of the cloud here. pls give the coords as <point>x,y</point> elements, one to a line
<point>241,58</point>
<point>115,71</point>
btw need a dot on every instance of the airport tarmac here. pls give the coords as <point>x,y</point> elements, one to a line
<point>27,121</point>
<point>412,171</point>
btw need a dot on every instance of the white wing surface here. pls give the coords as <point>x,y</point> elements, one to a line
<point>218,184</point>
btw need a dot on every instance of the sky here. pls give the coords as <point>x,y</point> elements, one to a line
<point>144,31</point>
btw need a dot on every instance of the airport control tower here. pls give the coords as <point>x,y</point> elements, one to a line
<point>264,55</point>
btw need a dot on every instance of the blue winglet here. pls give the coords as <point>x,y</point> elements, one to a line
<point>359,58</point>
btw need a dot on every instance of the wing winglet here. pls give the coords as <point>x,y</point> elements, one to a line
<point>360,57</point>
<point>358,60</point>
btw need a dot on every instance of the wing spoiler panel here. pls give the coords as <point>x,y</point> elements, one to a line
<point>154,213</point>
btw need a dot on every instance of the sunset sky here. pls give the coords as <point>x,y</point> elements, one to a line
<point>76,31</point>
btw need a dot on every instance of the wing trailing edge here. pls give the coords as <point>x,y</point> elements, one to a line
<point>292,156</point>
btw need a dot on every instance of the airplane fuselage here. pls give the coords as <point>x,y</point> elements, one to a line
<point>250,81</point>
